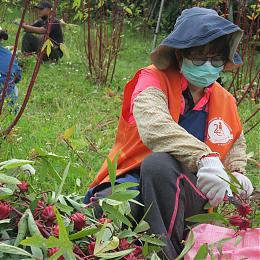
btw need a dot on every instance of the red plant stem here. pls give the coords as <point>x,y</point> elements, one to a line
<point>22,197</point>
<point>250,86</point>
<point>34,75</point>
<point>16,211</point>
<point>100,43</point>
<point>117,46</point>
<point>250,117</point>
<point>13,57</point>
<point>89,37</point>
<point>251,128</point>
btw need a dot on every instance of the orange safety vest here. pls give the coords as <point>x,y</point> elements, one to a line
<point>223,129</point>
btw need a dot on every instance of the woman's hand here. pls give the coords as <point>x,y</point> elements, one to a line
<point>246,184</point>
<point>211,179</point>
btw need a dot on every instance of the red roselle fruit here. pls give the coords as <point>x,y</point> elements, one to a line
<point>5,210</point>
<point>242,223</point>
<point>91,247</point>
<point>23,186</point>
<point>244,209</point>
<point>48,215</point>
<point>123,244</point>
<point>54,250</point>
<point>79,221</point>
<point>103,220</point>
<point>55,230</point>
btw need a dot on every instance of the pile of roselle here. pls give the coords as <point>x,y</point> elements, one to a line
<point>49,225</point>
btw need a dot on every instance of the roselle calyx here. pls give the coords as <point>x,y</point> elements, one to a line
<point>5,210</point>
<point>79,220</point>
<point>91,247</point>
<point>238,221</point>
<point>23,186</point>
<point>55,230</point>
<point>48,215</point>
<point>244,209</point>
<point>54,250</point>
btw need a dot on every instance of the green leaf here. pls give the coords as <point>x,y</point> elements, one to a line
<point>8,179</point>
<point>152,240</point>
<point>207,206</point>
<point>43,153</point>
<point>84,233</point>
<point>124,195</point>
<point>5,193</point>
<point>8,249</point>
<point>22,228</point>
<point>33,229</point>
<point>41,242</point>
<point>155,256</point>
<point>51,169</point>
<point>63,236</point>
<point>125,185</point>
<point>47,45</point>
<point>118,255</point>
<point>128,10</point>
<point>64,176</point>
<point>5,221</point>
<point>202,252</point>
<point>13,163</point>
<point>69,132</point>
<point>64,208</point>
<point>126,233</point>
<point>64,49</point>
<point>102,248</point>
<point>207,217</point>
<point>115,214</point>
<point>112,166</point>
<point>141,227</point>
<point>188,245</point>
<point>238,240</point>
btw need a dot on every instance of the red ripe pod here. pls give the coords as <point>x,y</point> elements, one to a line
<point>40,204</point>
<point>54,250</point>
<point>242,223</point>
<point>91,247</point>
<point>79,221</point>
<point>244,209</point>
<point>138,250</point>
<point>55,230</point>
<point>245,224</point>
<point>103,220</point>
<point>48,215</point>
<point>131,257</point>
<point>23,186</point>
<point>5,210</point>
<point>123,244</point>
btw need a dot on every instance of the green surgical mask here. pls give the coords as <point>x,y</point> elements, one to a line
<point>200,76</point>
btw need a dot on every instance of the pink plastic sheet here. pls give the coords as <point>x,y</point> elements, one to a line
<point>248,248</point>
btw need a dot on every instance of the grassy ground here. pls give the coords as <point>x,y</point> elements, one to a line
<point>63,97</point>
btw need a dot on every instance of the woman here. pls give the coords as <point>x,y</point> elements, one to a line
<point>179,128</point>
<point>15,77</point>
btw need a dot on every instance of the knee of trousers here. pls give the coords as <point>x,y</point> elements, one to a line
<point>160,166</point>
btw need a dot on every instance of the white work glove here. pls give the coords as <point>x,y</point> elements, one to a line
<point>209,181</point>
<point>246,184</point>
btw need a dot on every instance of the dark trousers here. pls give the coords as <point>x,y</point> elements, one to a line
<point>32,43</point>
<point>172,195</point>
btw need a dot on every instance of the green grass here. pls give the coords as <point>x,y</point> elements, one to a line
<point>63,97</point>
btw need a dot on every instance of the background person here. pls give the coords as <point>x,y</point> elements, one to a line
<point>33,38</point>
<point>15,77</point>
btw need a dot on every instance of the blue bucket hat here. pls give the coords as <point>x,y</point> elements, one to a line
<point>195,27</point>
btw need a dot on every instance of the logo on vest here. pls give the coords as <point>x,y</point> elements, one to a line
<point>219,132</point>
